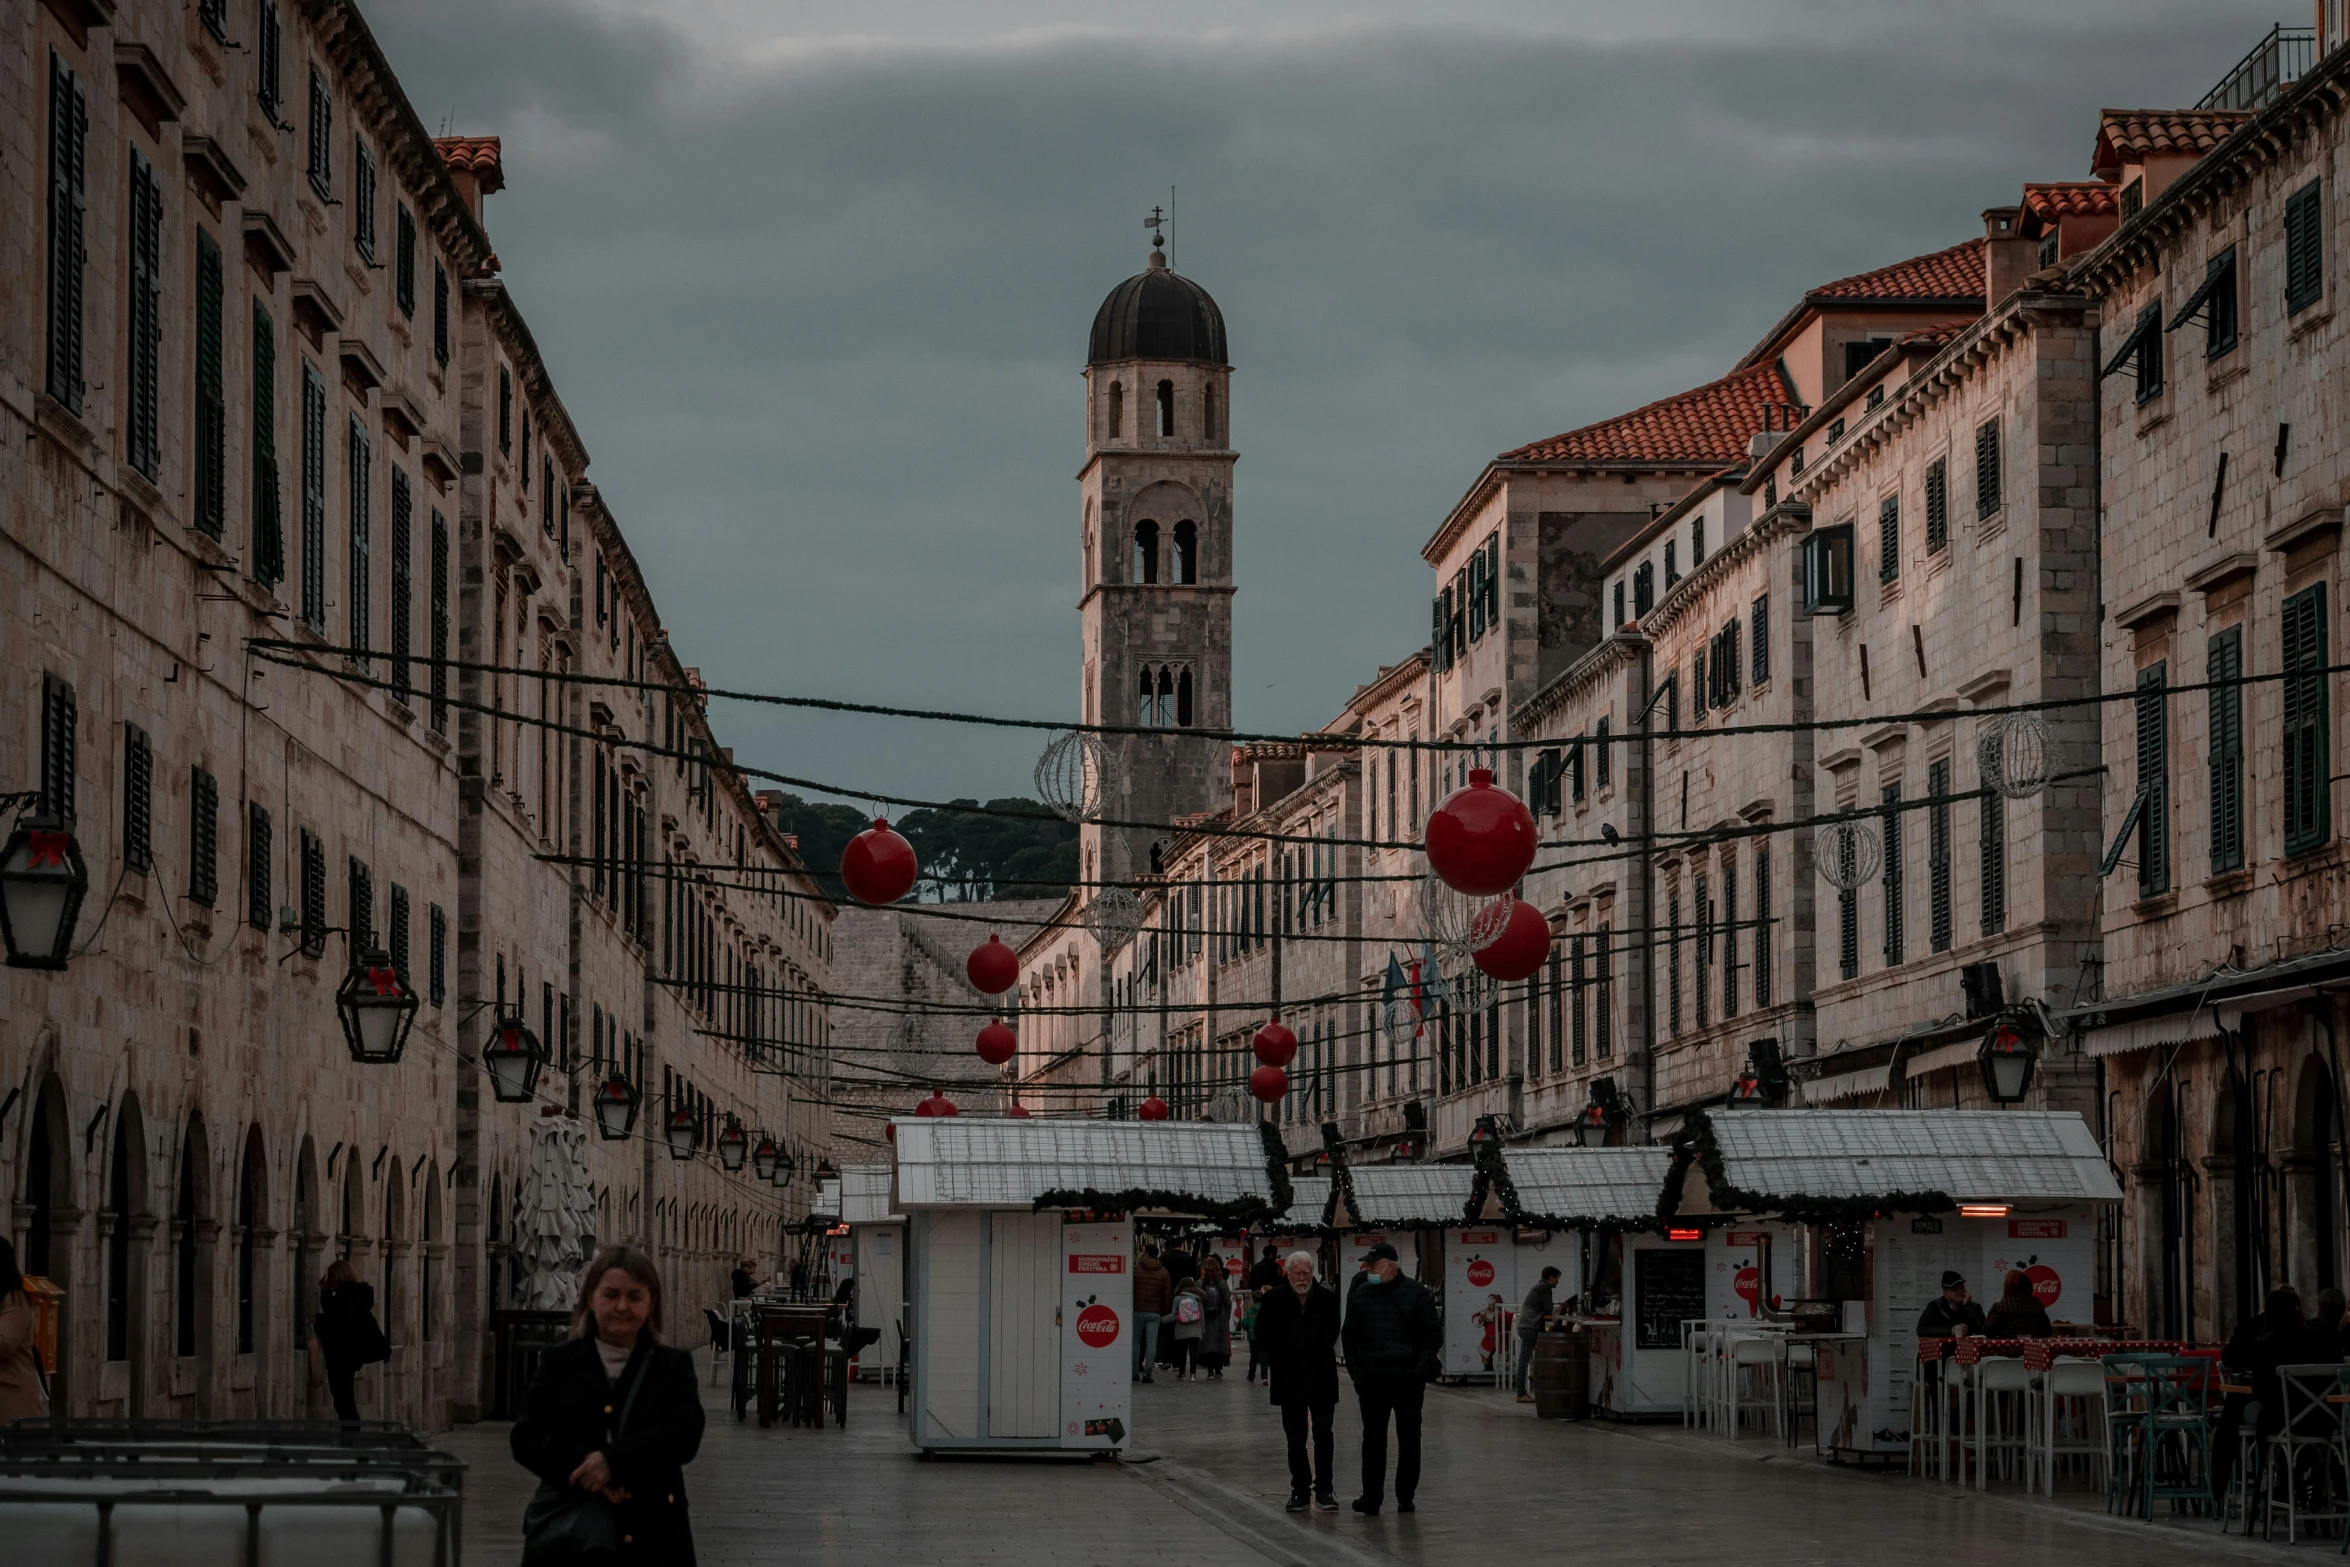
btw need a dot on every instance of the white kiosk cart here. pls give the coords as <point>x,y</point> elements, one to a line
<point>1887,1200</point>
<point>877,1247</point>
<point>1608,1196</point>
<point>1019,1265</point>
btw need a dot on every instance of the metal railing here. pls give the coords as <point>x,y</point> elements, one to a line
<point>2275,62</point>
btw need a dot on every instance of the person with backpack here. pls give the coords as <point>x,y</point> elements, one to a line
<point>1190,1316</point>
<point>345,1336</point>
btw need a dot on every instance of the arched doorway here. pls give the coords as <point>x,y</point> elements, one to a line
<point>251,1376</point>
<point>2314,1182</point>
<point>308,1263</point>
<point>192,1233</point>
<point>392,1296</point>
<point>127,1225</point>
<point>2169,1180</point>
<point>429,1323</point>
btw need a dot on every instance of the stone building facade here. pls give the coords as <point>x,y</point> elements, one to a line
<point>281,444</point>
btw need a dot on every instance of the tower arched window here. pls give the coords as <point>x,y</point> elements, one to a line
<point>1146,551</point>
<point>1207,407</point>
<point>1166,409</point>
<point>1183,695</point>
<point>1117,409</point>
<point>1187,553</point>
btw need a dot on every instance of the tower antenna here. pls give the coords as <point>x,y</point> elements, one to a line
<point>1170,228</point>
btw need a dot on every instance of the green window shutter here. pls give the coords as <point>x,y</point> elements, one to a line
<point>1847,930</point>
<point>322,153</point>
<point>203,837</point>
<point>2308,751</point>
<point>2304,247</point>
<point>1436,638</point>
<point>1759,639</point>
<point>439,593</point>
<point>361,547</point>
<point>401,610</point>
<point>211,399</point>
<point>404,260</point>
<point>2153,714</point>
<point>313,499</point>
<point>440,313</point>
<point>1895,942</point>
<point>1938,855</point>
<point>257,868</point>
<point>269,541</point>
<point>360,920</point>
<point>1673,963</point>
<point>1762,924</point>
<point>60,718</point>
<point>269,80</point>
<point>2224,662</point>
<point>138,799</point>
<point>397,945</point>
<point>69,131</point>
<point>143,324</point>
<point>363,202</point>
<point>313,896</point>
<point>1729,938</point>
<point>1889,539</point>
<point>1493,580</point>
<point>436,961</point>
<point>1607,764</point>
<point>1937,504</point>
<point>1987,470</point>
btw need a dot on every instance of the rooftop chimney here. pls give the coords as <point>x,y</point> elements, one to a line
<point>2008,257</point>
<point>475,165</point>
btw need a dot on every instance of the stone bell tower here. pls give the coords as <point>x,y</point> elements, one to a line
<point>1156,491</point>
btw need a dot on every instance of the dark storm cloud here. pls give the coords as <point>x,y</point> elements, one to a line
<point>819,311</point>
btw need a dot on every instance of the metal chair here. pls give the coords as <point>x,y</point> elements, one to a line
<point>2309,1439</point>
<point>2125,1424</point>
<point>2175,1446</point>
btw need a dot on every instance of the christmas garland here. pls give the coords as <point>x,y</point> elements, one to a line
<point>1493,1179</point>
<point>1239,1212</point>
<point>1696,1144</point>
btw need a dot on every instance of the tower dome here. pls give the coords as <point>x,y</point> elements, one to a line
<point>1158,314</point>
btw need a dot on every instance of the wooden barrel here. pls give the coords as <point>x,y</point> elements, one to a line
<point>1561,1375</point>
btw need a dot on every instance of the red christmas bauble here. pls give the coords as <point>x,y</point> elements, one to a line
<point>1275,1045</point>
<point>1152,1109</point>
<point>937,1105</point>
<point>1267,1083</point>
<point>1481,839</point>
<point>889,1131</point>
<point>878,866</point>
<point>1522,947</point>
<point>997,1044</point>
<point>994,968</point>
<point>1016,1113</point>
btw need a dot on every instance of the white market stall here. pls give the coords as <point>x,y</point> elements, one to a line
<point>1419,1209</point>
<point>1887,1200</point>
<point>1019,1264</point>
<point>876,1257</point>
<point>1608,1196</point>
<point>1302,1226</point>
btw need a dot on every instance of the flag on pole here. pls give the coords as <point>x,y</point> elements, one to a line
<point>1433,978</point>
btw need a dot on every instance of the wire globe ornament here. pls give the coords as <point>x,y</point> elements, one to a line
<point>1847,853</point>
<point>1071,775</point>
<point>2011,755</point>
<point>1456,925</point>
<point>1113,914</point>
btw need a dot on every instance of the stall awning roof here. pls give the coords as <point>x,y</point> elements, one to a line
<point>2162,1031</point>
<point>1402,1196</point>
<point>1309,1205</point>
<point>1832,1086</point>
<point>1572,1188</point>
<point>1820,1163</point>
<point>1213,1169</point>
<point>864,1194</point>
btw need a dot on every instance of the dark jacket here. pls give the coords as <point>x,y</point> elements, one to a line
<point>2025,1318</point>
<point>2259,1348</point>
<point>568,1412</point>
<point>1154,1288</point>
<point>1392,1329</point>
<point>741,1281</point>
<point>348,1334</point>
<point>1299,1340</point>
<point>1266,1274</point>
<point>1940,1317</point>
<point>1540,1302</point>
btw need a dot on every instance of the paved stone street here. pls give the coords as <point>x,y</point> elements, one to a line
<point>1208,1481</point>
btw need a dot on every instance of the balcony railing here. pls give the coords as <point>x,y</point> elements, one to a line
<point>2279,59</point>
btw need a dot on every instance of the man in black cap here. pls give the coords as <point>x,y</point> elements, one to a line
<point>1950,1314</point>
<point>1392,1341</point>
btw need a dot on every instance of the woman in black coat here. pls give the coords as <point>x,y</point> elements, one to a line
<point>345,1336</point>
<point>617,1413</point>
<point>1297,1332</point>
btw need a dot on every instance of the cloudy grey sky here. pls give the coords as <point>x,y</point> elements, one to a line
<point>815,278</point>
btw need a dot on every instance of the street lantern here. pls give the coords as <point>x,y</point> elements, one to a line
<point>1605,1107</point>
<point>763,1158</point>
<point>1482,1135</point>
<point>1764,1078</point>
<point>2008,1057</point>
<point>685,1134</point>
<point>824,1170</point>
<point>616,1105</point>
<point>513,1057</point>
<point>376,1009</point>
<point>42,882</point>
<point>733,1144</point>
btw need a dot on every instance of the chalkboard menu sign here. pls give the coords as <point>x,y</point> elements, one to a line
<point>1671,1289</point>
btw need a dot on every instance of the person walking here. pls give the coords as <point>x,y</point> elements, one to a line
<point>1154,1292</point>
<point>1189,1325</point>
<point>1297,1324</point>
<point>1392,1339</point>
<point>1540,1302</point>
<point>23,1390</point>
<point>608,1426</point>
<point>345,1336</point>
<point>1215,1340</point>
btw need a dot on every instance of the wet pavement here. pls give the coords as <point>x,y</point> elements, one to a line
<point>1206,1478</point>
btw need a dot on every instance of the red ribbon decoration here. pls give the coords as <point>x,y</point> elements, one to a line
<point>43,849</point>
<point>386,981</point>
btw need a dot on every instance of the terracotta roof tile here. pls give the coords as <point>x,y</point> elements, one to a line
<point>2127,135</point>
<point>2073,199</point>
<point>475,155</point>
<point>1956,273</point>
<point>1708,424</point>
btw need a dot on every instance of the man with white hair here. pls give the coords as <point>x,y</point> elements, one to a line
<point>1298,1328</point>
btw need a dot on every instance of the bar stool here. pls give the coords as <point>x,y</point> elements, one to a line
<point>1927,1457</point>
<point>1756,1367</point>
<point>1696,1395</point>
<point>1799,1387</point>
<point>2002,1422</point>
<point>2081,1385</point>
